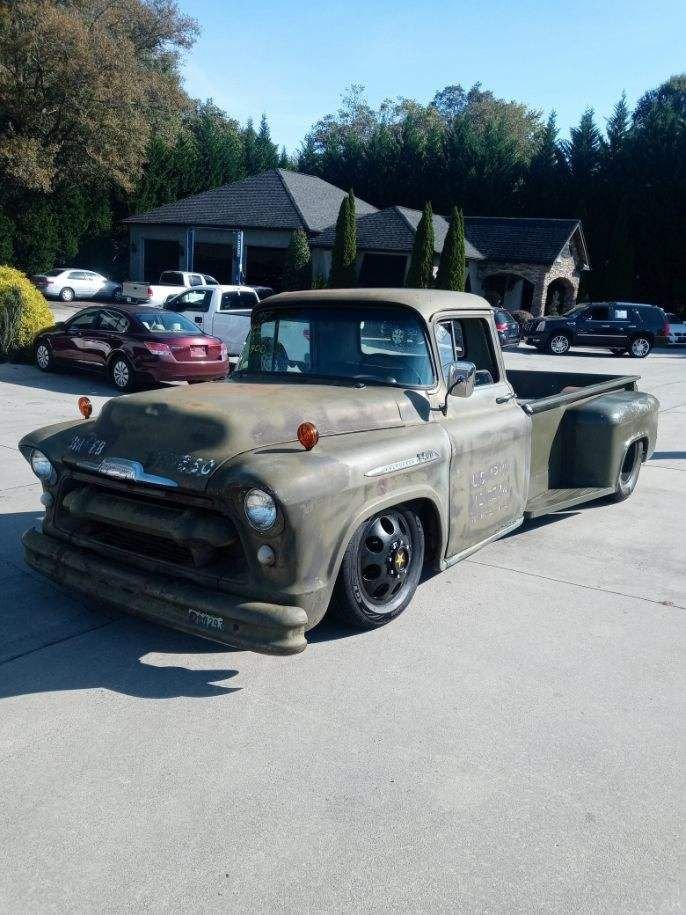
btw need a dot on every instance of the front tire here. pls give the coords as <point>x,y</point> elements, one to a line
<point>629,469</point>
<point>380,570</point>
<point>44,359</point>
<point>640,347</point>
<point>559,344</point>
<point>67,294</point>
<point>122,374</point>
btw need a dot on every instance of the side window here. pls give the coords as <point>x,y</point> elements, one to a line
<point>279,344</point>
<point>470,339</point>
<point>78,275</point>
<point>171,278</point>
<point>209,280</point>
<point>620,313</point>
<point>88,319</point>
<point>114,321</point>
<point>196,279</point>
<point>600,313</point>
<point>238,300</point>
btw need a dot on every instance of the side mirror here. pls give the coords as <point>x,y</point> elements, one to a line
<point>461,379</point>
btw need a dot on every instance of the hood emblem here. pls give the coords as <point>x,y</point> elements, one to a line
<point>122,469</point>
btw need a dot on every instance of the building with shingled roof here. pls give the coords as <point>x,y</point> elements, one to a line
<point>534,264</point>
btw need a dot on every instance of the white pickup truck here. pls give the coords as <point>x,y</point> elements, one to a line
<point>222,311</point>
<point>171,283</point>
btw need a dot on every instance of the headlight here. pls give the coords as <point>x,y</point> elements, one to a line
<point>260,509</point>
<point>540,325</point>
<point>42,467</point>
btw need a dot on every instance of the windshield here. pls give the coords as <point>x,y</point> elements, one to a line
<point>53,272</point>
<point>164,322</point>
<point>576,310</point>
<point>383,345</point>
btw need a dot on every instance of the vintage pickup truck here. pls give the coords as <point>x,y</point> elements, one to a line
<point>339,459</point>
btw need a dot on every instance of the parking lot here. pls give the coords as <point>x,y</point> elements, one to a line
<point>511,743</point>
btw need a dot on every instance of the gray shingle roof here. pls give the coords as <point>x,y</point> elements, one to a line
<point>275,199</point>
<point>534,241</point>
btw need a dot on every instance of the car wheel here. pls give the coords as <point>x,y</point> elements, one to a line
<point>44,359</point>
<point>122,374</point>
<point>559,344</point>
<point>67,294</point>
<point>640,347</point>
<point>629,470</point>
<point>380,569</point>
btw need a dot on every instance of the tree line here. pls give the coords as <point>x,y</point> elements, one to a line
<point>99,127</point>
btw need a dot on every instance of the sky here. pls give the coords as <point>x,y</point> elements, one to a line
<point>294,60</point>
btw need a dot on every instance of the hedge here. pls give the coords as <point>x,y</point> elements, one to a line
<point>23,313</point>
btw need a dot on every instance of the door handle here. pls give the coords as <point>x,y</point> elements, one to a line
<point>505,398</point>
<point>198,320</point>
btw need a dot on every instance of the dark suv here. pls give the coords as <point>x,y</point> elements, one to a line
<point>507,327</point>
<point>622,327</point>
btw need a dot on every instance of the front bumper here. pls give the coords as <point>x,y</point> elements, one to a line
<point>215,615</point>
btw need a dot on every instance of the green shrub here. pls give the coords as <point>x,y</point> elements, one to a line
<point>23,313</point>
<point>521,316</point>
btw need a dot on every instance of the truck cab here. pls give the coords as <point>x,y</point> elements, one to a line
<point>222,311</point>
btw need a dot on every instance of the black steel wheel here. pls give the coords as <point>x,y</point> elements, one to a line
<point>380,569</point>
<point>629,470</point>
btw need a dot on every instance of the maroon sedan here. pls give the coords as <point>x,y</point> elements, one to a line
<point>131,344</point>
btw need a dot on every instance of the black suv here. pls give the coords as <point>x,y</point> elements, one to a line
<point>623,327</point>
<point>507,327</point>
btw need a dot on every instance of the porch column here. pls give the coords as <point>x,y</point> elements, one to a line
<point>538,298</point>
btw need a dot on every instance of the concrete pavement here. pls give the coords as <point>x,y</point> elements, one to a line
<point>509,744</point>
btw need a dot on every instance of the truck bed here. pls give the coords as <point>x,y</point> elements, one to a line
<point>581,427</point>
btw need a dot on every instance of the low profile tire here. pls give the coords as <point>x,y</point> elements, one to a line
<point>640,347</point>
<point>67,294</point>
<point>629,470</point>
<point>122,374</point>
<point>380,570</point>
<point>559,344</point>
<point>44,359</point>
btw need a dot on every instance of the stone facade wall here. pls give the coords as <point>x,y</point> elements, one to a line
<point>539,275</point>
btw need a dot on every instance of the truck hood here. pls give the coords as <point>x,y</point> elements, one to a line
<point>184,434</point>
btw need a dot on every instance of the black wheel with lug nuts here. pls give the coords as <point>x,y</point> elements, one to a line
<point>558,344</point>
<point>122,374</point>
<point>640,347</point>
<point>44,359</point>
<point>381,569</point>
<point>629,470</point>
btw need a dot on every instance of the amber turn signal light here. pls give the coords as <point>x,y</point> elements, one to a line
<point>308,436</point>
<point>85,407</point>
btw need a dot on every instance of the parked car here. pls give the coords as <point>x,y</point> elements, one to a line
<point>675,331</point>
<point>130,345</point>
<point>223,311</point>
<point>171,283</point>
<point>507,327</point>
<point>69,283</point>
<point>327,470</point>
<point>622,327</point>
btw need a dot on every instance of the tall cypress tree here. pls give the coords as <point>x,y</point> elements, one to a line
<point>344,253</point>
<point>452,266</point>
<point>298,269</point>
<point>420,273</point>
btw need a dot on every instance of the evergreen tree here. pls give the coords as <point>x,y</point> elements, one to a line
<point>541,189</point>
<point>267,153</point>
<point>618,127</point>
<point>420,272</point>
<point>452,266</point>
<point>251,163</point>
<point>619,275</point>
<point>298,269</point>
<point>344,253</point>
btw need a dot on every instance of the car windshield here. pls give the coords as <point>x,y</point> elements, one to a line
<point>575,310</point>
<point>382,345</point>
<point>53,272</point>
<point>166,322</point>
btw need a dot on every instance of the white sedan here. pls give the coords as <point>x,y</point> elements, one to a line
<point>69,283</point>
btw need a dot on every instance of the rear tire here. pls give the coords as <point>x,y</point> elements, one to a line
<point>629,469</point>
<point>122,374</point>
<point>44,359</point>
<point>380,569</point>
<point>559,344</point>
<point>640,346</point>
<point>67,294</point>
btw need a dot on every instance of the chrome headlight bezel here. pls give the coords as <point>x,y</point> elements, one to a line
<point>43,467</point>
<point>260,510</point>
